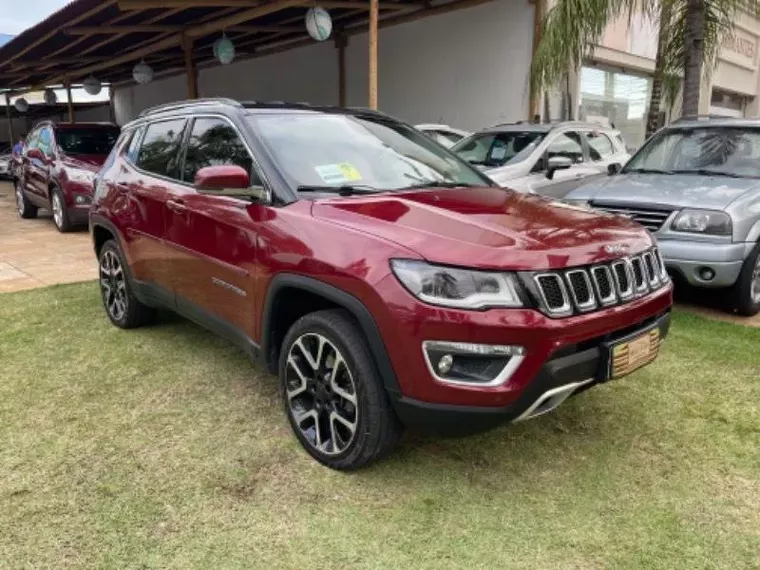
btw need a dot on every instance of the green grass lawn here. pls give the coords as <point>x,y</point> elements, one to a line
<point>166,448</point>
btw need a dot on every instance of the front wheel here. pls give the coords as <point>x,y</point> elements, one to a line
<point>60,214</point>
<point>333,397</point>
<point>746,292</point>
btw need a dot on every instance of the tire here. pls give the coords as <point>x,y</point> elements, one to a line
<point>60,214</point>
<point>24,208</point>
<point>122,307</point>
<point>745,294</point>
<point>344,372</point>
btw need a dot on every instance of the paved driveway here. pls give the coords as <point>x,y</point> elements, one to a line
<point>34,254</point>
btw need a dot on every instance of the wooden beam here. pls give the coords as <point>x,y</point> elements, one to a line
<point>43,38</point>
<point>373,18</point>
<point>416,14</point>
<point>244,16</point>
<point>110,30</point>
<point>190,70</point>
<point>57,61</point>
<point>69,100</point>
<point>265,29</point>
<point>149,4</point>
<point>538,20</point>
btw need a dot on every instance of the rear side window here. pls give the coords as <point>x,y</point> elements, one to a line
<point>160,148</point>
<point>599,146</point>
<point>214,142</point>
<point>134,145</point>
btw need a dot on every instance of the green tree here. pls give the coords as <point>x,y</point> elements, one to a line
<point>690,32</point>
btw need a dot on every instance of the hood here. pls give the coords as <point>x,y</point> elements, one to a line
<point>91,162</point>
<point>488,228</point>
<point>676,190</point>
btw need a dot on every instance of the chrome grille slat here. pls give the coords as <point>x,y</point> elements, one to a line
<point>651,218</point>
<point>583,289</point>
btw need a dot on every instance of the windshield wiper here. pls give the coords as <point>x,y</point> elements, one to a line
<point>648,171</point>
<point>345,190</point>
<point>441,184</point>
<point>708,172</point>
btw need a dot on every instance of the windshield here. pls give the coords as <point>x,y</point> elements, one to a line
<point>322,150</point>
<point>727,151</point>
<point>87,140</point>
<point>498,149</point>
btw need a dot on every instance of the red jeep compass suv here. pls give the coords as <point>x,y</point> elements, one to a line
<point>58,167</point>
<point>387,282</point>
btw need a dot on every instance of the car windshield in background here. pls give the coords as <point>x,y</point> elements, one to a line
<point>498,149</point>
<point>87,141</point>
<point>339,151</point>
<point>719,151</point>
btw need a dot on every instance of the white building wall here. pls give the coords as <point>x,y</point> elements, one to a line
<point>468,68</point>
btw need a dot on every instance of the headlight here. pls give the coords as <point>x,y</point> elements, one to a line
<point>460,288</point>
<point>81,176</point>
<point>703,222</point>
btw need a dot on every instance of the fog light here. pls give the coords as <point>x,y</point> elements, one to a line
<point>445,364</point>
<point>80,200</point>
<point>706,274</point>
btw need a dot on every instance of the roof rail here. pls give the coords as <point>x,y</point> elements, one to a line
<point>702,118</point>
<point>189,103</point>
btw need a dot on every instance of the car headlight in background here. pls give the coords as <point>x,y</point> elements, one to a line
<point>459,288</point>
<point>709,222</point>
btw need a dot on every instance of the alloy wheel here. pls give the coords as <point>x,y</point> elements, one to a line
<point>755,284</point>
<point>113,284</point>
<point>57,210</point>
<point>19,199</point>
<point>321,394</point>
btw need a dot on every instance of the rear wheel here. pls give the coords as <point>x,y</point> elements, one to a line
<point>123,308</point>
<point>746,292</point>
<point>24,208</point>
<point>60,214</point>
<point>333,397</point>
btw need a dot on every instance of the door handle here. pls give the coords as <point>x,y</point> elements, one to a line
<point>176,206</point>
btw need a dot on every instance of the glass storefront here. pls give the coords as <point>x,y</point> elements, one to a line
<point>617,99</point>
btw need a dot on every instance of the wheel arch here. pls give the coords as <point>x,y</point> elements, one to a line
<point>285,284</point>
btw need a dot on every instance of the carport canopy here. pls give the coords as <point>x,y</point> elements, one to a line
<point>106,38</point>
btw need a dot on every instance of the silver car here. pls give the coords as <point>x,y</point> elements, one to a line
<point>444,134</point>
<point>696,186</point>
<point>547,159</point>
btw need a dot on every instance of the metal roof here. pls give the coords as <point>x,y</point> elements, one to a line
<point>108,37</point>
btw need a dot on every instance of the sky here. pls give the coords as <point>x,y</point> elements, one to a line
<point>15,16</point>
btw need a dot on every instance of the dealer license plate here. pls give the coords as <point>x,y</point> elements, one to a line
<point>632,354</point>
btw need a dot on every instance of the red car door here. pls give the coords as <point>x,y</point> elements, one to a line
<point>146,175</point>
<point>213,238</point>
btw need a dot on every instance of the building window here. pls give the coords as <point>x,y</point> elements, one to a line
<point>616,99</point>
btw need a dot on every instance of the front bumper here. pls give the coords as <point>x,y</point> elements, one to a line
<point>569,371</point>
<point>694,261</point>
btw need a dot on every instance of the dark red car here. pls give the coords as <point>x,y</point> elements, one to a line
<point>387,282</point>
<point>58,167</point>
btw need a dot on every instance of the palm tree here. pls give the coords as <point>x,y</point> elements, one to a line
<point>690,31</point>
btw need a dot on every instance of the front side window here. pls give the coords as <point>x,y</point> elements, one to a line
<point>87,140</point>
<point>33,139</point>
<point>567,145</point>
<point>728,151</point>
<point>498,149</point>
<point>376,153</point>
<point>214,142</point>
<point>599,146</point>
<point>160,148</point>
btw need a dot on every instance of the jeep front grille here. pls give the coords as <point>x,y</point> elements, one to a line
<point>651,218</point>
<point>582,289</point>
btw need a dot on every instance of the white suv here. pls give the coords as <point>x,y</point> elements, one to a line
<point>547,159</point>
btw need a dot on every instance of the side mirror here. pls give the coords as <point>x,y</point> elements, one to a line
<point>35,153</point>
<point>227,180</point>
<point>614,169</point>
<point>556,163</point>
